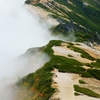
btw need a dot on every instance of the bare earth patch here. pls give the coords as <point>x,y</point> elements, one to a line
<point>94,52</point>
<point>43,14</point>
<point>64,51</point>
<point>63,83</point>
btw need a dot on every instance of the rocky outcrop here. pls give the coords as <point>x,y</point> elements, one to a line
<point>95,38</point>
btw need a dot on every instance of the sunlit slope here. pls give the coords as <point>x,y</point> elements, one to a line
<point>78,62</point>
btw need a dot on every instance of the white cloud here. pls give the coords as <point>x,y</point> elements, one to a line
<point>19,30</point>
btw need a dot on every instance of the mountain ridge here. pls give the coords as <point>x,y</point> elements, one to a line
<point>73,69</point>
<point>84,15</point>
<point>39,83</point>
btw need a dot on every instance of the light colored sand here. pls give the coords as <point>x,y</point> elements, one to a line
<point>63,83</point>
<point>43,14</point>
<point>94,52</point>
<point>38,11</point>
<point>64,51</point>
<point>86,67</point>
<point>92,84</point>
<point>79,15</point>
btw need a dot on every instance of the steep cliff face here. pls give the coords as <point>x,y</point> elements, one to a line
<point>72,72</point>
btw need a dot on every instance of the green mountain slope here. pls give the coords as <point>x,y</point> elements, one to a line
<point>37,85</point>
<point>82,17</point>
<point>78,17</point>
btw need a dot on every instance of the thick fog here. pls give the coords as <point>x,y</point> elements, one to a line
<point>19,31</point>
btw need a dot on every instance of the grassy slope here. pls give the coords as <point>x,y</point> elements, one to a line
<point>39,83</point>
<point>90,16</point>
<point>86,91</point>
